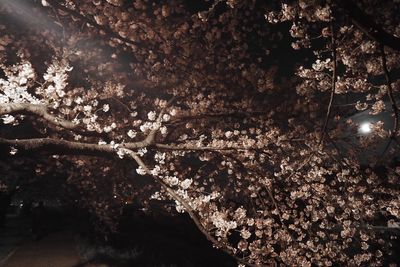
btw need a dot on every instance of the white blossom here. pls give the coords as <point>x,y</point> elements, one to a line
<point>361,106</point>
<point>142,151</point>
<point>132,133</point>
<point>106,107</point>
<point>13,151</point>
<point>87,108</point>
<point>121,153</point>
<point>228,134</point>
<point>185,184</point>
<point>141,171</point>
<point>172,180</point>
<point>78,100</point>
<point>163,130</point>
<point>107,129</point>
<point>179,208</point>
<point>160,157</point>
<point>151,115</point>
<point>114,145</point>
<point>156,170</point>
<point>166,117</point>
<point>7,119</point>
<point>157,195</point>
<point>245,233</point>
<point>219,221</point>
<point>14,89</point>
<point>173,112</point>
<point>147,126</point>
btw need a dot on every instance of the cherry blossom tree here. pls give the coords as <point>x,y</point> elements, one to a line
<point>237,112</point>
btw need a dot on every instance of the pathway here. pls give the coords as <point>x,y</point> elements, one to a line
<point>12,235</point>
<point>54,250</point>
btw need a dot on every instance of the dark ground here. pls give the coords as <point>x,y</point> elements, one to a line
<point>68,239</point>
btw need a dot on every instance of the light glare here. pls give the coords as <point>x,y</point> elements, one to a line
<point>365,128</point>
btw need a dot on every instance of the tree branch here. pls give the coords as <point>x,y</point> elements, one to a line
<point>188,209</point>
<point>198,148</point>
<point>218,115</point>
<point>39,110</point>
<point>333,86</point>
<point>152,135</point>
<point>367,25</point>
<point>195,147</point>
<point>57,5</point>
<point>269,192</point>
<point>68,147</point>
<point>57,146</point>
<point>64,145</point>
<point>395,109</point>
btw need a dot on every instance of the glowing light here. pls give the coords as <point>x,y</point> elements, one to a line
<point>365,128</point>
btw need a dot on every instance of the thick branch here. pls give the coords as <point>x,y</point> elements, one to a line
<point>39,110</point>
<point>67,147</point>
<point>53,145</point>
<point>57,146</point>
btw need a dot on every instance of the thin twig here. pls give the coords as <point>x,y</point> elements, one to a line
<point>57,5</point>
<point>269,192</point>
<point>333,86</point>
<point>188,209</point>
<point>395,108</point>
<point>393,103</point>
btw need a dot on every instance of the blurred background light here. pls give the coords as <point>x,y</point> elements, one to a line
<point>365,128</point>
